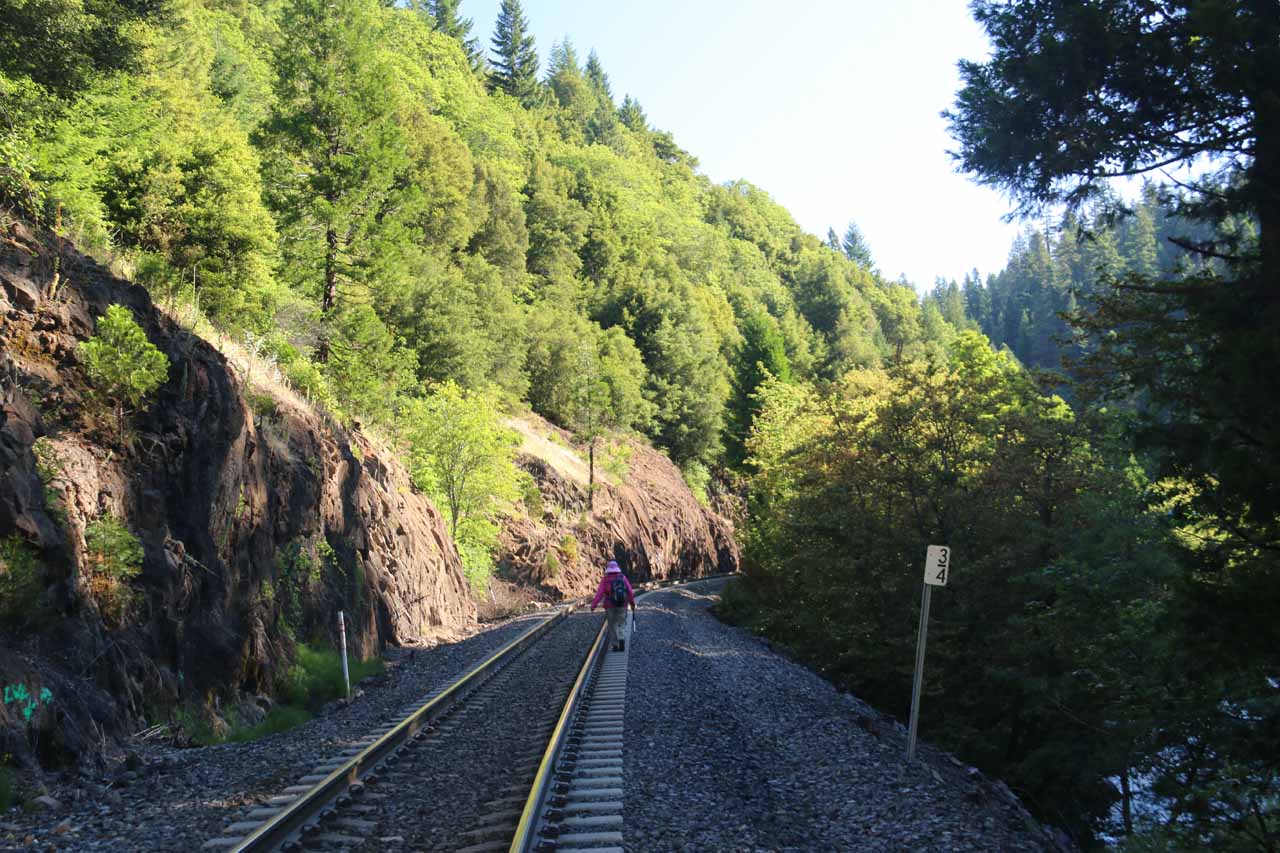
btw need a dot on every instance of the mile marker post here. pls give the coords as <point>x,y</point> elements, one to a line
<point>937,565</point>
<point>342,632</point>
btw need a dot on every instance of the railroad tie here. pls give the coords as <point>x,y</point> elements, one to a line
<point>591,808</point>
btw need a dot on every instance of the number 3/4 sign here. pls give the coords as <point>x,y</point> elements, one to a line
<point>937,565</point>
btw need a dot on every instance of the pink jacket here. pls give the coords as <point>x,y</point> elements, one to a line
<point>602,592</point>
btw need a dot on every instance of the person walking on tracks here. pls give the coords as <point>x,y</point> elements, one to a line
<point>616,593</point>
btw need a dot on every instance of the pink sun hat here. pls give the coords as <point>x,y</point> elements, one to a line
<point>611,568</point>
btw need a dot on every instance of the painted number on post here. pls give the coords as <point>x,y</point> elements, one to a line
<point>937,565</point>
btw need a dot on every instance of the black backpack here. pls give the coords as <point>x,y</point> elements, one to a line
<point>618,591</point>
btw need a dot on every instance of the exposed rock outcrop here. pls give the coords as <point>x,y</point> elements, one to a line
<point>643,515</point>
<point>235,510</point>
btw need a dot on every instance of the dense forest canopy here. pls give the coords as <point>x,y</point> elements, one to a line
<point>419,226</point>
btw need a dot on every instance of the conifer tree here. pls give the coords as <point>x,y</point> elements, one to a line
<point>447,20</point>
<point>563,59</point>
<point>338,151</point>
<point>515,59</point>
<point>599,80</point>
<point>855,246</point>
<point>632,115</point>
<point>833,240</point>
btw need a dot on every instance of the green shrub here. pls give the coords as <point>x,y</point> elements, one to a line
<point>281,718</point>
<point>21,581</point>
<point>49,469</point>
<point>569,547</point>
<point>531,496</point>
<point>477,566</point>
<point>550,565</point>
<point>616,459</point>
<point>261,404</point>
<point>122,365</point>
<point>307,380</point>
<point>297,574</point>
<point>316,676</point>
<point>698,479</point>
<point>113,557</point>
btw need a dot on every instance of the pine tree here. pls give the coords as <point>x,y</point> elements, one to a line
<point>515,59</point>
<point>599,81</point>
<point>833,241</point>
<point>855,246</point>
<point>632,115</point>
<point>339,153</point>
<point>445,17</point>
<point>563,59</point>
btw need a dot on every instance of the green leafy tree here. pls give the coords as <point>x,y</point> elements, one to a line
<point>123,366</point>
<point>607,393</point>
<point>462,454</point>
<point>515,60</point>
<point>464,458</point>
<point>63,45</point>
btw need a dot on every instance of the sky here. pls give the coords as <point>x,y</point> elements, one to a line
<point>830,106</point>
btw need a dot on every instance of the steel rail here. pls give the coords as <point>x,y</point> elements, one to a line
<point>299,816</point>
<point>526,838</point>
<point>529,818</point>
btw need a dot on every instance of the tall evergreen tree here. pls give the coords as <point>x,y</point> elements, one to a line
<point>599,80</point>
<point>855,246</point>
<point>338,151</point>
<point>833,241</point>
<point>515,61</point>
<point>444,14</point>
<point>563,59</point>
<point>632,115</point>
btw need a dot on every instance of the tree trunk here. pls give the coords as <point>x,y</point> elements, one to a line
<point>330,296</point>
<point>1266,175</point>
<point>330,292</point>
<point>591,475</point>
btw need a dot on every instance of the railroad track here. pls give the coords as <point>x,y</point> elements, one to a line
<point>523,752</point>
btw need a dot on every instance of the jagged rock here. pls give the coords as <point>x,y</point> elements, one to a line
<point>646,519</point>
<point>22,290</point>
<point>217,497</point>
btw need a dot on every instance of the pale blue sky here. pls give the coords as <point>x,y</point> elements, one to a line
<point>831,106</point>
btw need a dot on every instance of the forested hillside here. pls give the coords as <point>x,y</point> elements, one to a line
<point>377,206</point>
<point>1056,271</point>
<point>351,188</point>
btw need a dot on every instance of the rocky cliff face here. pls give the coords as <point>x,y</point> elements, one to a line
<point>643,515</point>
<point>255,526</point>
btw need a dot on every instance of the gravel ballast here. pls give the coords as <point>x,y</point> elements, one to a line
<point>730,746</point>
<point>176,799</point>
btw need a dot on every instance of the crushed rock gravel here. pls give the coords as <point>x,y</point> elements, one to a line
<point>176,799</point>
<point>731,746</point>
